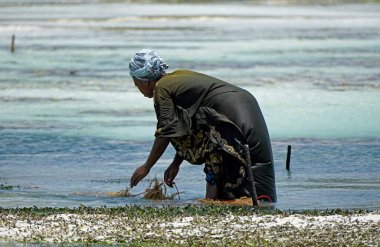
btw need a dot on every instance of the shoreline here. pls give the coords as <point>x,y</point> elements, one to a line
<point>191,225</point>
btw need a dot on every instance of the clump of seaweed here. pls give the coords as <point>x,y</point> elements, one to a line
<point>243,201</point>
<point>155,191</point>
<point>8,187</point>
<point>158,191</point>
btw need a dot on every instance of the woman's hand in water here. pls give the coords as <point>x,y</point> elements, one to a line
<point>172,171</point>
<point>139,174</point>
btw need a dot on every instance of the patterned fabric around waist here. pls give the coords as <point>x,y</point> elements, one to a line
<point>222,161</point>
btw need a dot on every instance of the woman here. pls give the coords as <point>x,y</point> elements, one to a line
<point>207,121</point>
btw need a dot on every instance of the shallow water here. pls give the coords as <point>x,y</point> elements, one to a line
<point>73,127</point>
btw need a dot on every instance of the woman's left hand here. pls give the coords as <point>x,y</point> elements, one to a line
<point>170,174</point>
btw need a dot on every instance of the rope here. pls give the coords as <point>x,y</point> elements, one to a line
<point>179,198</point>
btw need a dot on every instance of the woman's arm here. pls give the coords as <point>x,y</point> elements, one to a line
<point>159,146</point>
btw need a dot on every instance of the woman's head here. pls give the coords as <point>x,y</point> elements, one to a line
<point>147,66</point>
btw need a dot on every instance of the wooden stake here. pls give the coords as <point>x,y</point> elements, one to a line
<point>288,157</point>
<point>13,45</point>
<point>250,176</point>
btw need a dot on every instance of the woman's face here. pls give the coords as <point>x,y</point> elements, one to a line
<point>146,88</point>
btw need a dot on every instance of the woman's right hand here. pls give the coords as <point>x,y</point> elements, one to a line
<point>139,174</point>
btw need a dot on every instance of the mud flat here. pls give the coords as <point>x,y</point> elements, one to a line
<point>192,225</point>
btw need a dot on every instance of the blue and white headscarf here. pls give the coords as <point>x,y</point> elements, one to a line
<point>147,65</point>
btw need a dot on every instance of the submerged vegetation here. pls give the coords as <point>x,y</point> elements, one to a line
<point>5,186</point>
<point>192,225</point>
<point>8,187</point>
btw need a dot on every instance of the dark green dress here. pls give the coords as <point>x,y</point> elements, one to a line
<point>208,121</point>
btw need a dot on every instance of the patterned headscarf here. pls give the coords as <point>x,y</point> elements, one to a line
<point>147,65</point>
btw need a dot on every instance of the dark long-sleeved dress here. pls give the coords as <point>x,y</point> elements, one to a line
<point>209,121</point>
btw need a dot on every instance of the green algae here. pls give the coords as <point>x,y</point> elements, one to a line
<point>190,225</point>
<point>8,187</point>
<point>169,210</point>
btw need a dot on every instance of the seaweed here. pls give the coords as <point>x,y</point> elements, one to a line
<point>157,191</point>
<point>8,187</point>
<point>191,225</point>
<point>122,193</point>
